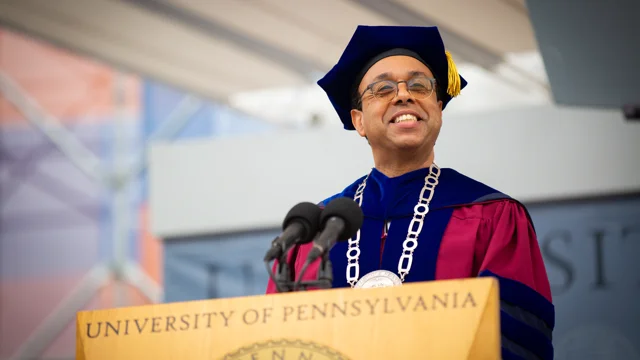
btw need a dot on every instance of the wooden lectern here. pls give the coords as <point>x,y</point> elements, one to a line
<point>452,319</point>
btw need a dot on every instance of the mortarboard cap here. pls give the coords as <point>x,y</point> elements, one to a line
<point>370,44</point>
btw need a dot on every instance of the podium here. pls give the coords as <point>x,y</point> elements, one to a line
<point>450,319</point>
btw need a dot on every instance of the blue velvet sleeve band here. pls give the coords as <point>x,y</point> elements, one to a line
<point>513,351</point>
<point>527,320</point>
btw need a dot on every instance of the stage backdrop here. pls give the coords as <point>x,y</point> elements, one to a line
<point>590,248</point>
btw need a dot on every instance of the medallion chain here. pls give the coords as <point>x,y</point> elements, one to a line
<point>420,211</point>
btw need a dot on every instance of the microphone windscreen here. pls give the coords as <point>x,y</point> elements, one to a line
<point>346,209</point>
<point>308,215</point>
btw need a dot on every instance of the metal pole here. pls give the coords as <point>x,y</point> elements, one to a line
<point>121,226</point>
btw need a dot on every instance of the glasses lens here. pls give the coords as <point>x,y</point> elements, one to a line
<point>420,87</point>
<point>384,89</point>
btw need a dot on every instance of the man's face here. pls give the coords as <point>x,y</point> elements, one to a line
<point>381,120</point>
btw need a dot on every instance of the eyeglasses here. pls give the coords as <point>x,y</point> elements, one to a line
<point>420,87</point>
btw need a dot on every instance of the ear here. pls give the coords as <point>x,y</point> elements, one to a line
<point>356,120</point>
<point>440,105</point>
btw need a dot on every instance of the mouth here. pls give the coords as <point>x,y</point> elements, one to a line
<point>405,118</point>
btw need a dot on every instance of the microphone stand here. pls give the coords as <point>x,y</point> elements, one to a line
<point>325,272</point>
<point>324,279</point>
<point>283,274</point>
<point>284,283</point>
<point>282,278</point>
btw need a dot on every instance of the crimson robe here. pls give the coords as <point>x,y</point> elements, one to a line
<point>471,230</point>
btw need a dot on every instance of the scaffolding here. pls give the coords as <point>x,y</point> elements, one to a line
<point>120,269</point>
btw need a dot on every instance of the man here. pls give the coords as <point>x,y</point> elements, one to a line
<point>422,222</point>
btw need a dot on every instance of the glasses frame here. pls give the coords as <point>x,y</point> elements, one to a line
<point>397,87</point>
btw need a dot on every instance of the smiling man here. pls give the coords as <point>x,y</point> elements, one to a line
<point>422,222</point>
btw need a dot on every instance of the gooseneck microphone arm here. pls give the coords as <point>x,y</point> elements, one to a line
<point>325,272</point>
<point>333,227</point>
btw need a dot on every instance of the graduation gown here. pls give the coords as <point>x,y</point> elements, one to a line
<point>471,230</point>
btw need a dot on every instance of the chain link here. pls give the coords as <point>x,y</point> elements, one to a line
<point>353,252</point>
<point>420,211</point>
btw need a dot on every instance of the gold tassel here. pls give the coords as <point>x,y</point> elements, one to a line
<point>454,78</point>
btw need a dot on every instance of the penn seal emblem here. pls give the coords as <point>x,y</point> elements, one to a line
<point>285,349</point>
<point>378,279</point>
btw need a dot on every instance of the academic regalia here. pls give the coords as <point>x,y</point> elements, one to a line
<point>470,230</point>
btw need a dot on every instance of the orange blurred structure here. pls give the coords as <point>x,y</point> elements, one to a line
<point>79,93</point>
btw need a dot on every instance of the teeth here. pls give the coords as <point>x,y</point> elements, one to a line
<point>405,117</point>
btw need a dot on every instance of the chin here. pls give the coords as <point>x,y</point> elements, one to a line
<point>409,143</point>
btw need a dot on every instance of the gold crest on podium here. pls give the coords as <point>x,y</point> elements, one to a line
<point>285,350</point>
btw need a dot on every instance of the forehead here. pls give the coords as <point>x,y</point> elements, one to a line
<point>396,68</point>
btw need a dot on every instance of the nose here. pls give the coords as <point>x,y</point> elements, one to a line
<point>403,95</point>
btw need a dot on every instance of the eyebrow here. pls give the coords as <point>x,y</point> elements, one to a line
<point>387,76</point>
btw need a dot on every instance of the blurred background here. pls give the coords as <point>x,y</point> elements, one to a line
<point>149,149</point>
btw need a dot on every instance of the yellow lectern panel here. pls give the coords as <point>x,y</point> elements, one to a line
<point>453,319</point>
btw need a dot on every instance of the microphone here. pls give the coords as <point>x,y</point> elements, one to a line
<point>299,227</point>
<point>340,220</point>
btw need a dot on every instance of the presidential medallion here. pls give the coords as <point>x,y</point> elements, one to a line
<point>378,279</point>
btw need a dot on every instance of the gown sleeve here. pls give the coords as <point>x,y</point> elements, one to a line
<point>271,286</point>
<point>511,254</point>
